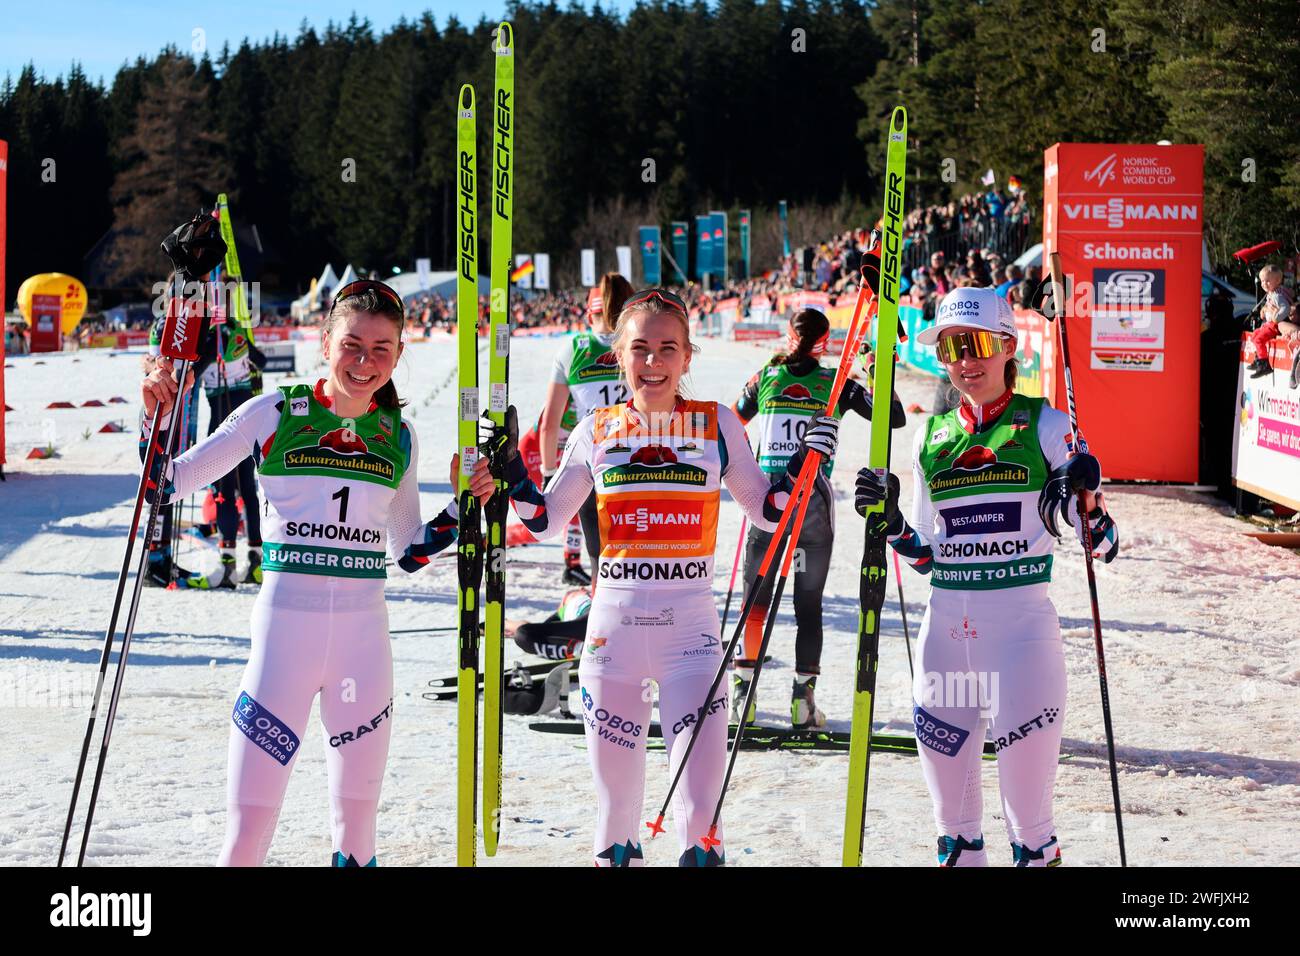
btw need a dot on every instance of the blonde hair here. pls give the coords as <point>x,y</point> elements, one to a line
<point>1269,270</point>
<point>649,307</point>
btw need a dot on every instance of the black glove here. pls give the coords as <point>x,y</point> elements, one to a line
<point>822,436</point>
<point>1080,473</point>
<point>501,448</point>
<point>870,490</point>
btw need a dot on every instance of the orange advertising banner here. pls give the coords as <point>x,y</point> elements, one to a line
<point>1127,221</point>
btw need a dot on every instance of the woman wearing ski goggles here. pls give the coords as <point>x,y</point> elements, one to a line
<point>990,479</point>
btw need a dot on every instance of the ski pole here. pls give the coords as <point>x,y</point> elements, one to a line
<point>710,840</point>
<point>1059,309</point>
<point>735,563</point>
<point>179,342</point>
<point>902,607</point>
<point>804,481</point>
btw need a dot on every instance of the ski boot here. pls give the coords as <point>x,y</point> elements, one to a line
<point>741,679</point>
<point>576,577</point>
<point>161,571</point>
<point>1049,854</point>
<point>224,577</point>
<point>958,851</point>
<point>254,573</point>
<point>804,714</point>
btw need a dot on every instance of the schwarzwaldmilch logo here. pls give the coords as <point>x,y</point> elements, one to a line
<point>654,463</point>
<point>978,466</point>
<point>340,449</point>
<point>602,366</point>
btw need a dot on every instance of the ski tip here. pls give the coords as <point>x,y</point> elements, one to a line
<point>898,122</point>
<point>656,826</point>
<point>505,41</point>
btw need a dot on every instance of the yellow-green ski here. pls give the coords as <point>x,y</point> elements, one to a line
<point>871,588</point>
<point>469,545</point>
<point>502,179</point>
<point>236,295</point>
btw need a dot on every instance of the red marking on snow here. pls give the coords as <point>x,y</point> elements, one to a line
<point>92,403</point>
<point>41,453</point>
<point>111,428</point>
<point>60,405</point>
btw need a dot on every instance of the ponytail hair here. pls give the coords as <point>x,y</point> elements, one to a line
<point>614,291</point>
<point>808,336</point>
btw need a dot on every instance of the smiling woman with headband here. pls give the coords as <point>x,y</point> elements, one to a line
<point>657,463</point>
<point>990,477</point>
<point>338,470</point>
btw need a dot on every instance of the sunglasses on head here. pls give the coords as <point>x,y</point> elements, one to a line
<point>362,286</point>
<point>978,343</point>
<point>663,296</point>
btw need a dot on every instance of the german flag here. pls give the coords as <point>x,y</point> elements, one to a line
<point>523,270</point>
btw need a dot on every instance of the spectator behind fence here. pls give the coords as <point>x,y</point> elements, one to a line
<point>1013,276</point>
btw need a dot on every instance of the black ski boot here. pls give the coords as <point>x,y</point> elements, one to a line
<point>575,576</point>
<point>161,571</point>
<point>254,573</point>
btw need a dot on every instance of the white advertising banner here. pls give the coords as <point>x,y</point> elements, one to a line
<point>1266,443</point>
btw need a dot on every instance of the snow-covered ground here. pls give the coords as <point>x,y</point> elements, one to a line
<point>1201,627</point>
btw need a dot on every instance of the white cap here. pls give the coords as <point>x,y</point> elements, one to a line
<point>972,308</point>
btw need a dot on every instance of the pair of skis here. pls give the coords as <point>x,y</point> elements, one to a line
<point>471,541</point>
<point>875,571</point>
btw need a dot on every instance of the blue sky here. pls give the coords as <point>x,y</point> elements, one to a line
<point>103,34</point>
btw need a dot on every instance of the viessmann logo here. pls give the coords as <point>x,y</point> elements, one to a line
<point>1116,212</point>
<point>657,523</point>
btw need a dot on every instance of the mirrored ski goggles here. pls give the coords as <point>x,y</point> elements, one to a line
<point>978,343</point>
<point>362,286</point>
<point>663,296</point>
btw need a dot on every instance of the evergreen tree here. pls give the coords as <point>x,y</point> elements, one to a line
<point>173,166</point>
